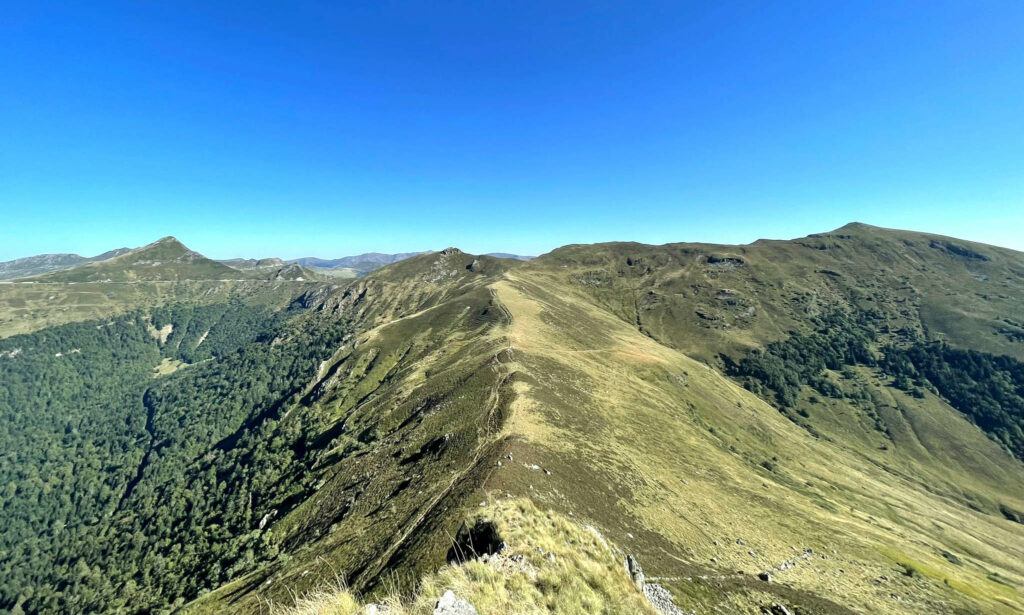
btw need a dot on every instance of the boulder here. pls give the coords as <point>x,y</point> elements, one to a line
<point>450,605</point>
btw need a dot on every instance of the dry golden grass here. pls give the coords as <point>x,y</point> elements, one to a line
<point>665,453</point>
<point>550,566</point>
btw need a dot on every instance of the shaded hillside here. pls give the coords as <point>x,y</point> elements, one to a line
<point>129,444</point>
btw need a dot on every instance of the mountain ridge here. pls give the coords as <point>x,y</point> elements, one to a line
<point>709,409</point>
<point>578,316</point>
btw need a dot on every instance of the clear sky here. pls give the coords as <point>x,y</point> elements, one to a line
<point>329,128</point>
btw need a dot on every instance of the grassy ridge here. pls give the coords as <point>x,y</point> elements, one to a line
<point>590,382</point>
<point>593,367</point>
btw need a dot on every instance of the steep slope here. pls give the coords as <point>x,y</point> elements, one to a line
<point>413,406</point>
<point>549,565</point>
<point>117,432</point>
<point>670,458</point>
<point>586,381</point>
<point>34,265</point>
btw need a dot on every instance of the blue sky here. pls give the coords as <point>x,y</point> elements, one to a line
<point>309,128</point>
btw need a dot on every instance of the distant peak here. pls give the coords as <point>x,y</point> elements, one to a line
<point>450,251</point>
<point>854,226</point>
<point>165,246</point>
<point>166,242</point>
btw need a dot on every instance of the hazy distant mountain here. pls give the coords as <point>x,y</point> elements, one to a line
<point>253,263</point>
<point>354,266</point>
<point>518,257</point>
<point>43,263</point>
<point>362,264</point>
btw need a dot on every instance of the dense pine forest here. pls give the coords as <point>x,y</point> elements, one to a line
<point>142,453</point>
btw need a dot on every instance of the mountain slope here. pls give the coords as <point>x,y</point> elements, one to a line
<point>607,416</point>
<point>161,273</point>
<point>614,385</point>
<point>706,299</point>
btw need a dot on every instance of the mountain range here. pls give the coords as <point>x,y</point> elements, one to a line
<point>42,263</point>
<point>830,424</point>
<point>344,267</point>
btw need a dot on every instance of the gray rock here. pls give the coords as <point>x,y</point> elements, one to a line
<point>661,599</point>
<point>764,576</point>
<point>635,572</point>
<point>450,605</point>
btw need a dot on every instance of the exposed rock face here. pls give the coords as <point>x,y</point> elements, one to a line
<point>450,605</point>
<point>635,572</point>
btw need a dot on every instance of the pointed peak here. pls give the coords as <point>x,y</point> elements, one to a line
<point>165,245</point>
<point>450,251</point>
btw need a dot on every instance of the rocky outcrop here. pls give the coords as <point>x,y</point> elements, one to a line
<point>450,605</point>
<point>659,597</point>
<point>635,572</point>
